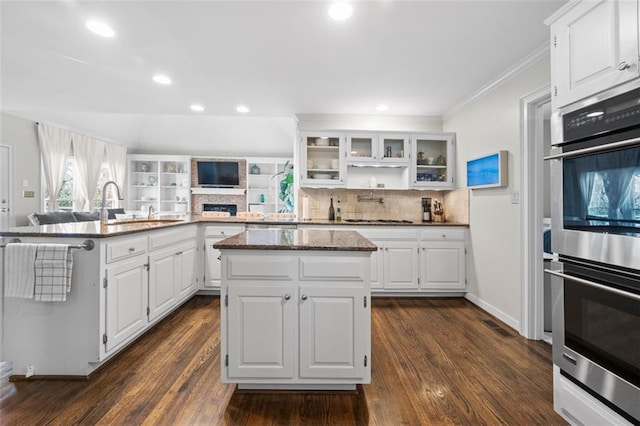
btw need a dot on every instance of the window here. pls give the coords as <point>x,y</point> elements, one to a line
<point>599,203</point>
<point>66,196</point>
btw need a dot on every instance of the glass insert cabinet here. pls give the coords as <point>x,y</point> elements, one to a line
<point>322,155</point>
<point>432,160</point>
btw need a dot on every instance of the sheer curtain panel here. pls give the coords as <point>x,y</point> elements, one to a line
<point>55,147</point>
<point>117,159</point>
<point>89,155</point>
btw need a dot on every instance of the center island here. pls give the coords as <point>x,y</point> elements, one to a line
<point>296,309</point>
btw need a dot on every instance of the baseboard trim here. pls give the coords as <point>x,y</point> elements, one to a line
<point>24,378</point>
<point>511,322</point>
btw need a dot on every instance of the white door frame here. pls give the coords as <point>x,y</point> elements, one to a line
<point>532,149</point>
<point>12,207</point>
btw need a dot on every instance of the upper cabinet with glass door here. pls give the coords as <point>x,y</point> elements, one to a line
<point>376,148</point>
<point>322,157</point>
<point>433,161</point>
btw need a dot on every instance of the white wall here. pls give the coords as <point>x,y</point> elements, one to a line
<point>487,125</point>
<point>22,136</point>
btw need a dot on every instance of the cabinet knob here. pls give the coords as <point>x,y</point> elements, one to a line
<point>444,235</point>
<point>287,296</point>
<point>304,297</point>
<point>623,66</point>
<point>132,249</point>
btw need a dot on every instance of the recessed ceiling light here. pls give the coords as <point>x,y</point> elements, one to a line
<point>197,108</point>
<point>340,11</point>
<point>162,79</point>
<point>382,108</point>
<point>100,28</point>
<point>243,109</point>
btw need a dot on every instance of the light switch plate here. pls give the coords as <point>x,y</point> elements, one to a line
<point>515,197</point>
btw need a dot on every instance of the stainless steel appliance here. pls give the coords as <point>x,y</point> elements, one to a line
<point>596,163</point>
<point>596,331</point>
<point>426,210</point>
<point>595,175</point>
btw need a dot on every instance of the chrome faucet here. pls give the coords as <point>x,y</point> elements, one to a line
<point>151,211</point>
<point>104,216</point>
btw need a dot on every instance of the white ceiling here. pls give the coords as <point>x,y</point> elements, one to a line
<point>280,58</point>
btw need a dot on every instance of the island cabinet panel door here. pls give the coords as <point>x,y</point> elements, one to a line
<point>213,264</point>
<point>126,301</point>
<point>333,332</point>
<point>261,331</point>
<point>186,270</point>
<point>162,277</point>
<point>442,265</point>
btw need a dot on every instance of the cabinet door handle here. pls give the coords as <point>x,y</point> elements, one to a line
<point>287,296</point>
<point>623,66</point>
<point>304,297</point>
<point>132,249</point>
<point>444,235</point>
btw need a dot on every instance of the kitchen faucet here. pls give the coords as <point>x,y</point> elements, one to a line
<point>151,211</point>
<point>104,216</point>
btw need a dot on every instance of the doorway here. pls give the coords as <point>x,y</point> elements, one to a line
<point>6,210</point>
<point>535,119</point>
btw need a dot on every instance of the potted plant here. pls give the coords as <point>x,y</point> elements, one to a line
<point>286,187</point>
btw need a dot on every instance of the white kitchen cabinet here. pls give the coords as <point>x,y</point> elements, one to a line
<point>377,266</point>
<point>213,234</point>
<point>263,189</point>
<point>161,181</point>
<point>377,148</point>
<point>162,276</point>
<point>433,161</point>
<point>443,259</point>
<point>332,343</point>
<point>322,159</point>
<point>400,265</point>
<point>261,331</point>
<point>126,301</point>
<point>295,318</point>
<point>594,46</point>
<point>186,266</point>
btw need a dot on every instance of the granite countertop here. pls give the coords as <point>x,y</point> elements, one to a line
<point>115,228</point>
<point>297,239</point>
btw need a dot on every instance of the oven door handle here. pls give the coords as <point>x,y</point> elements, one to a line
<point>593,149</point>
<point>595,285</point>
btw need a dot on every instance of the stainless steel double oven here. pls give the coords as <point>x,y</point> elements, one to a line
<point>595,175</point>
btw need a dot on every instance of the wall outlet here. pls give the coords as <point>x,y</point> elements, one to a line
<point>30,371</point>
<point>28,194</point>
<point>515,197</point>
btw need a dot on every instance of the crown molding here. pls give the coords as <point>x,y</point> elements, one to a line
<point>510,73</point>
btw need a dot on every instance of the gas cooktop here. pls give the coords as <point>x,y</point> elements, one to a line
<point>378,221</point>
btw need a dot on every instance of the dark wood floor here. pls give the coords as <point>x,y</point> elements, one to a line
<point>435,361</point>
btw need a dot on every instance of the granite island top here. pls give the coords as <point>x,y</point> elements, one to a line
<point>117,228</point>
<point>296,239</point>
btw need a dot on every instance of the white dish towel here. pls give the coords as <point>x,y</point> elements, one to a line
<point>53,266</point>
<point>19,270</point>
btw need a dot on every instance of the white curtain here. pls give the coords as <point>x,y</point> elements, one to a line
<point>116,156</point>
<point>89,155</point>
<point>55,147</point>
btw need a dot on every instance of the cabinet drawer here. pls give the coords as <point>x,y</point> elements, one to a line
<point>375,233</point>
<point>222,231</point>
<point>262,267</point>
<point>338,269</point>
<point>443,234</point>
<point>119,250</point>
<point>166,238</point>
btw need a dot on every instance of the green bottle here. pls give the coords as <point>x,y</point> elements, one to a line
<point>332,211</point>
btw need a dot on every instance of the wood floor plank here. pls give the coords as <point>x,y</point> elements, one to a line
<point>435,362</point>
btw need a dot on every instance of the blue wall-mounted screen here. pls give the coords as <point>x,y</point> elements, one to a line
<point>484,171</point>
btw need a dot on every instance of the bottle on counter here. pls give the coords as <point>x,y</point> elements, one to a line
<point>332,211</point>
<point>338,211</point>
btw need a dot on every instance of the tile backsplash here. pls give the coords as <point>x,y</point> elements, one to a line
<point>397,204</point>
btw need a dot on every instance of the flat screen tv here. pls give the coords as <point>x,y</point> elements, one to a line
<point>489,171</point>
<point>218,174</point>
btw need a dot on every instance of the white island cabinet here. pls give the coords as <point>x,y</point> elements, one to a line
<point>296,312</point>
<point>132,277</point>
